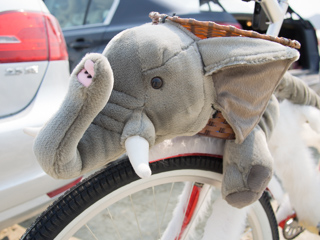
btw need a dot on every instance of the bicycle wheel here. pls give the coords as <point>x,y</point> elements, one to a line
<point>115,203</point>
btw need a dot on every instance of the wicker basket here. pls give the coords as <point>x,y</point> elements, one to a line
<point>217,126</point>
<point>210,29</point>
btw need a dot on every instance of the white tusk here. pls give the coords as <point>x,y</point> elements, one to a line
<point>32,131</point>
<point>138,152</point>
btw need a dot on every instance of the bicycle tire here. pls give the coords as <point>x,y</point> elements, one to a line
<point>265,203</point>
<point>117,175</point>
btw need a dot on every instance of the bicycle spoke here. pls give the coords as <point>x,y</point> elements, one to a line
<point>114,225</point>
<point>112,216</point>
<point>135,216</point>
<point>91,232</point>
<point>155,208</point>
<point>166,207</point>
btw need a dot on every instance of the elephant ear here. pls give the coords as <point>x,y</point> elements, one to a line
<point>245,73</point>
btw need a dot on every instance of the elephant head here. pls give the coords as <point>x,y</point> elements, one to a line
<point>156,82</point>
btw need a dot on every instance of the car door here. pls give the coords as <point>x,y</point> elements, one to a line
<point>83,23</point>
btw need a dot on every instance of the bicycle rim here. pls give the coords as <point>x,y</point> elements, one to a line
<point>112,196</point>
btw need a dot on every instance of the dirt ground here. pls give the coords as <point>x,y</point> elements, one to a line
<point>16,231</point>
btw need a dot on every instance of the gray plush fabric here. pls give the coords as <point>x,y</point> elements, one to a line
<point>296,91</point>
<point>247,167</point>
<point>56,145</point>
<point>235,75</point>
<point>169,52</point>
<point>245,72</point>
<point>181,107</point>
<point>139,124</point>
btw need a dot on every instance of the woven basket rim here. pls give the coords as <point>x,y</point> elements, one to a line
<point>213,29</point>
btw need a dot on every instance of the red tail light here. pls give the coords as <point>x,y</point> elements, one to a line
<point>30,36</point>
<point>57,45</point>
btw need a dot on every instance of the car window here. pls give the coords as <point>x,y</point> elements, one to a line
<point>98,11</point>
<point>68,12</point>
<point>71,13</point>
<point>209,6</point>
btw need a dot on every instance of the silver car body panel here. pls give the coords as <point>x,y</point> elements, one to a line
<point>13,97</point>
<point>37,88</point>
<point>22,181</point>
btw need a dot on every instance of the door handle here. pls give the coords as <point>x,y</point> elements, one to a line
<point>78,44</point>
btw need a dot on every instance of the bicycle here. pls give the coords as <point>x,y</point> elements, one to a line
<point>71,213</point>
<point>118,179</point>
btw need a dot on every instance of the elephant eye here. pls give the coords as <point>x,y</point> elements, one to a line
<point>156,82</point>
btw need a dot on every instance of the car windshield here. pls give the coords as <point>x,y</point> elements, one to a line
<point>73,13</point>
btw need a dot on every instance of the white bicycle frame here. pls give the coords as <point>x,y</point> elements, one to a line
<point>275,11</point>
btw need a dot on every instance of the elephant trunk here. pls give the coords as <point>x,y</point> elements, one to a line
<point>58,147</point>
<point>85,134</point>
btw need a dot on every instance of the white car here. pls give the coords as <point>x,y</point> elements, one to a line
<point>34,74</point>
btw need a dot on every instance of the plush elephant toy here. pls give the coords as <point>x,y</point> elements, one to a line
<point>156,82</point>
